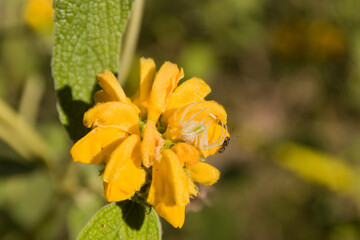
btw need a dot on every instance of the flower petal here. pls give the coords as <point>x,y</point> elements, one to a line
<point>96,145</point>
<point>111,86</point>
<point>127,153</point>
<point>186,153</point>
<point>174,214</point>
<point>115,114</point>
<point>205,109</point>
<point>170,182</point>
<point>192,90</point>
<point>123,174</point>
<point>204,173</point>
<point>101,96</point>
<point>170,189</point>
<point>151,144</point>
<point>194,117</point>
<point>215,138</point>
<point>147,70</point>
<point>130,179</point>
<point>192,188</point>
<point>165,81</point>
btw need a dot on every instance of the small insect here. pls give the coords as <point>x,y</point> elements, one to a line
<point>224,145</point>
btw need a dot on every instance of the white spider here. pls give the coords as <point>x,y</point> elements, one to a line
<point>196,132</point>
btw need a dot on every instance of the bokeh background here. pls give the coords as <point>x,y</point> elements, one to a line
<point>288,73</point>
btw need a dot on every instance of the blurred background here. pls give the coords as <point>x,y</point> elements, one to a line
<point>288,74</point>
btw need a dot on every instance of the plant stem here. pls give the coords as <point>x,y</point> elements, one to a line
<point>130,40</point>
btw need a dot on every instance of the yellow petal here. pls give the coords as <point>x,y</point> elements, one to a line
<point>147,70</point>
<point>126,153</point>
<point>192,90</point>
<point>174,214</point>
<point>97,145</point>
<point>165,81</point>
<point>111,86</point>
<point>151,144</point>
<point>204,110</point>
<point>192,188</point>
<point>170,189</point>
<point>215,135</point>
<point>204,173</point>
<point>115,114</point>
<point>170,182</point>
<point>123,174</point>
<point>130,179</point>
<point>193,119</point>
<point>117,191</point>
<point>186,153</point>
<point>101,96</point>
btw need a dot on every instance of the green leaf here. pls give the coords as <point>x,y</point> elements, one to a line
<point>87,40</point>
<point>86,204</point>
<point>122,220</point>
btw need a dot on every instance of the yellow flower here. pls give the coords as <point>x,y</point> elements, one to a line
<point>38,14</point>
<point>114,141</point>
<point>159,136</point>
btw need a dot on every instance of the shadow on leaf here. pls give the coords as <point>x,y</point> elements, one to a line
<point>74,111</point>
<point>133,213</point>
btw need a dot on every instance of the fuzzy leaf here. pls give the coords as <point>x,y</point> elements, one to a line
<point>87,40</point>
<point>122,220</point>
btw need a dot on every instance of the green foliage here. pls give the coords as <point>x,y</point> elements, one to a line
<point>83,208</point>
<point>87,40</point>
<point>122,220</point>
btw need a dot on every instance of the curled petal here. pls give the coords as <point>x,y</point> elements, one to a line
<point>214,109</point>
<point>111,86</point>
<point>124,156</point>
<point>101,96</point>
<point>147,70</point>
<point>130,179</point>
<point>174,214</point>
<point>151,144</point>
<point>189,123</point>
<point>97,145</point>
<point>192,188</point>
<point>192,90</point>
<point>170,182</point>
<point>186,153</point>
<point>170,189</point>
<point>210,110</point>
<point>216,135</point>
<point>204,173</point>
<point>123,174</point>
<point>125,186</point>
<point>165,81</point>
<point>115,114</point>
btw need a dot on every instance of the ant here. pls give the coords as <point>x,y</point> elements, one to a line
<point>224,145</point>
